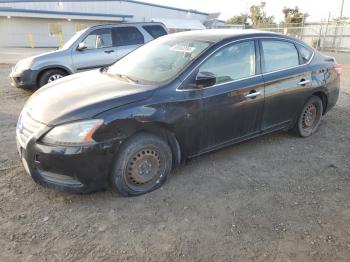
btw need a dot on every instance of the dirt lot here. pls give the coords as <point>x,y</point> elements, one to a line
<point>275,198</point>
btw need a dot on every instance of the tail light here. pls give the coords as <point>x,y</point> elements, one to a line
<point>338,69</point>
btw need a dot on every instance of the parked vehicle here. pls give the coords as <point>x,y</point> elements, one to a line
<point>170,100</point>
<point>88,49</point>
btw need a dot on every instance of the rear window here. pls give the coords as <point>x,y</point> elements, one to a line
<point>306,53</point>
<point>123,36</point>
<point>155,30</point>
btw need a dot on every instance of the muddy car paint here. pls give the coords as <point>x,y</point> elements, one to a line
<point>192,121</point>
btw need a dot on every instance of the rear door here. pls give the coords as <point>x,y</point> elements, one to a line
<point>99,51</point>
<point>287,80</point>
<point>126,39</point>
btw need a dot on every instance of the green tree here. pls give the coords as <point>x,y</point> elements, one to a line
<point>258,15</point>
<point>294,16</point>
<point>238,19</point>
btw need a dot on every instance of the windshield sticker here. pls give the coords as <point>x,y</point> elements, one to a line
<point>182,48</point>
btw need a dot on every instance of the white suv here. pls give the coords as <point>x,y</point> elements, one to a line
<point>94,47</point>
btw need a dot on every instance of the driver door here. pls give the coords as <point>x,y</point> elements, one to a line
<point>99,51</point>
<point>232,108</point>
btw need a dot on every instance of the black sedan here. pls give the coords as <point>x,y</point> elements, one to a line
<point>170,100</point>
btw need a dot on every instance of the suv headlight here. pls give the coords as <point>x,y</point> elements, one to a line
<point>77,133</point>
<point>24,64</point>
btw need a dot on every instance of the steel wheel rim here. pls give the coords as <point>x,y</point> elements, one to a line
<point>54,77</point>
<point>310,115</point>
<point>143,169</point>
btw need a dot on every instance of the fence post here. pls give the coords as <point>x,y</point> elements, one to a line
<point>31,40</point>
<point>60,38</point>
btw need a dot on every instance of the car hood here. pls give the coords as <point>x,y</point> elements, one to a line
<point>47,55</point>
<point>82,96</point>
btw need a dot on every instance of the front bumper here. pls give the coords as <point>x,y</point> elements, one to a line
<point>25,79</point>
<point>75,169</point>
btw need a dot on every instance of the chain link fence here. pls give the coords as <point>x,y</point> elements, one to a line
<point>323,36</point>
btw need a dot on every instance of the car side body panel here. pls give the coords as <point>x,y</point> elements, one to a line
<point>193,121</point>
<point>207,119</point>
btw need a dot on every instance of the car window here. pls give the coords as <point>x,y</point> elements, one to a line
<point>99,38</point>
<point>233,62</point>
<point>123,36</point>
<point>279,55</point>
<point>155,30</point>
<point>306,53</point>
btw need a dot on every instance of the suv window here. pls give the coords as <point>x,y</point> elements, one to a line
<point>123,36</point>
<point>232,62</point>
<point>305,53</point>
<point>99,38</point>
<point>155,30</point>
<point>279,55</point>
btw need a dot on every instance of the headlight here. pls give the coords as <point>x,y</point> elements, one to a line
<point>24,64</point>
<point>77,133</point>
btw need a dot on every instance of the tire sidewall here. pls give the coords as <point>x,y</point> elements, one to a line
<point>44,78</point>
<point>131,147</point>
<point>319,106</point>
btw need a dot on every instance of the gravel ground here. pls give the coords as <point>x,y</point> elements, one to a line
<point>275,198</point>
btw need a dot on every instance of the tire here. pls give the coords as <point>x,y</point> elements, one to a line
<point>309,118</point>
<point>50,75</point>
<point>142,165</point>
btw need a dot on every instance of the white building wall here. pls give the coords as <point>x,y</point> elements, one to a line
<point>15,31</point>
<point>140,12</point>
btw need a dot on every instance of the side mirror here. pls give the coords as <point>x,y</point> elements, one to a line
<point>205,79</point>
<point>81,46</point>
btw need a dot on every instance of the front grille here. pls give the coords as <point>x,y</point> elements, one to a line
<point>26,128</point>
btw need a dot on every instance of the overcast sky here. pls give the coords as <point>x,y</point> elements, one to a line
<point>317,9</point>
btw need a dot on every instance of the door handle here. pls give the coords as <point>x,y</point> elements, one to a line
<point>254,94</point>
<point>303,82</point>
<point>109,51</point>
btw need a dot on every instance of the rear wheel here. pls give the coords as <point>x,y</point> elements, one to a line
<point>310,117</point>
<point>142,165</point>
<point>51,75</point>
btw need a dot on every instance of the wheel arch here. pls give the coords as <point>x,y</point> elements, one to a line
<point>124,129</point>
<point>59,67</point>
<point>324,99</point>
<point>163,131</point>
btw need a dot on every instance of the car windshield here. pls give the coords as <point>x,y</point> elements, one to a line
<point>73,39</point>
<point>158,61</point>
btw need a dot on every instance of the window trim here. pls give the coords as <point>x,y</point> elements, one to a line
<point>260,61</point>
<point>89,33</point>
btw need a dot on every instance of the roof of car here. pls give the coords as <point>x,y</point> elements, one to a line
<point>217,35</point>
<point>127,24</point>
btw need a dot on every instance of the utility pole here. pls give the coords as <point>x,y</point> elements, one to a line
<point>340,22</point>
<point>341,10</point>
<point>326,31</point>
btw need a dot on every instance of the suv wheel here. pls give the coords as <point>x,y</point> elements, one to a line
<point>50,75</point>
<point>142,165</point>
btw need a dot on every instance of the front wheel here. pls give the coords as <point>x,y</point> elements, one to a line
<point>310,117</point>
<point>142,165</point>
<point>50,76</point>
